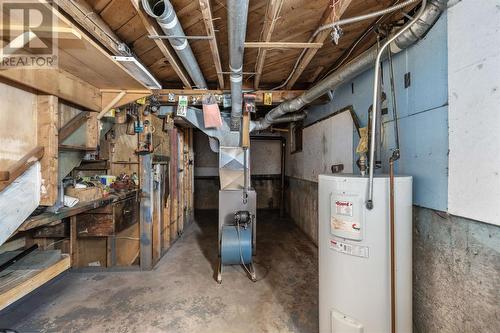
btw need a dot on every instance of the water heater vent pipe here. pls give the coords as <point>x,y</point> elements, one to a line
<point>376,84</point>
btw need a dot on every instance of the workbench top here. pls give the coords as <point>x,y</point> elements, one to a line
<point>81,207</point>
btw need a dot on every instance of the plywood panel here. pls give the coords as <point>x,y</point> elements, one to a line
<point>325,143</point>
<point>127,245</point>
<point>18,128</point>
<point>124,159</point>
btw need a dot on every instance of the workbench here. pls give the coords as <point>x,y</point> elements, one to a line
<point>81,207</point>
<point>102,232</point>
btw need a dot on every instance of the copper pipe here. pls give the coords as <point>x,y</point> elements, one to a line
<point>393,263</point>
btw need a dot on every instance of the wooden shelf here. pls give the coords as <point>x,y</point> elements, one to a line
<point>76,148</point>
<point>83,68</point>
<point>29,273</point>
<point>81,207</point>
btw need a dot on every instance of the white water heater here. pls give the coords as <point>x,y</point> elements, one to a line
<point>354,255</point>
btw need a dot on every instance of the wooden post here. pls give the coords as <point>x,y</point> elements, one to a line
<point>47,137</point>
<point>174,174</point>
<point>245,134</point>
<point>146,212</point>
<point>73,241</point>
<point>157,213</point>
<point>92,131</point>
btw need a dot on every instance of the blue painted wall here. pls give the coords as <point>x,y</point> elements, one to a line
<point>422,114</point>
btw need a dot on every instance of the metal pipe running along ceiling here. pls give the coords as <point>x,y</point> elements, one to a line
<point>355,67</point>
<point>164,13</point>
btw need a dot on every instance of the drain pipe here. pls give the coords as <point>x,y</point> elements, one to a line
<point>355,67</point>
<point>237,12</point>
<point>164,13</point>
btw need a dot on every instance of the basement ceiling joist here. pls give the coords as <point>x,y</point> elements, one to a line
<point>295,23</point>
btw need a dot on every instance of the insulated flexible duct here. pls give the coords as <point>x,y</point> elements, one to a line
<point>164,13</point>
<point>355,67</point>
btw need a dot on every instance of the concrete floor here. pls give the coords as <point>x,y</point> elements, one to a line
<point>181,295</point>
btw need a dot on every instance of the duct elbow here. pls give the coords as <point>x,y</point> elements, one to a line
<point>421,27</point>
<point>158,9</point>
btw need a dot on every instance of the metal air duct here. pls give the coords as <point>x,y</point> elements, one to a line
<point>355,67</point>
<point>237,12</point>
<point>164,13</point>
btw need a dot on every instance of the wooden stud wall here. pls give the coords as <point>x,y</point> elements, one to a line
<point>48,121</point>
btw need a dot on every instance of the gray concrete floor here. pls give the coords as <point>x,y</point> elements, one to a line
<point>181,295</point>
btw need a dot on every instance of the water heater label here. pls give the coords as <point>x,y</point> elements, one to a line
<point>351,249</point>
<point>350,227</point>
<point>343,208</point>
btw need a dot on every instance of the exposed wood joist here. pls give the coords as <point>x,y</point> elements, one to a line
<point>58,83</point>
<point>130,96</point>
<point>151,29</point>
<point>73,125</point>
<point>283,45</point>
<point>84,15</point>
<point>88,60</point>
<point>331,14</point>
<point>48,32</point>
<point>277,96</point>
<point>206,11</point>
<point>272,11</point>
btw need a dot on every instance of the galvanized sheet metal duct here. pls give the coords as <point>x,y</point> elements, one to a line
<point>164,13</point>
<point>354,67</point>
<point>237,12</point>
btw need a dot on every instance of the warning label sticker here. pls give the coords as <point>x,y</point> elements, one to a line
<point>351,249</point>
<point>343,208</point>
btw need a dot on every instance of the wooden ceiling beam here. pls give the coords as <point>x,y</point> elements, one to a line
<point>283,45</point>
<point>83,14</point>
<point>206,11</point>
<point>58,83</point>
<point>272,12</point>
<point>151,29</point>
<point>277,96</point>
<point>331,14</point>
